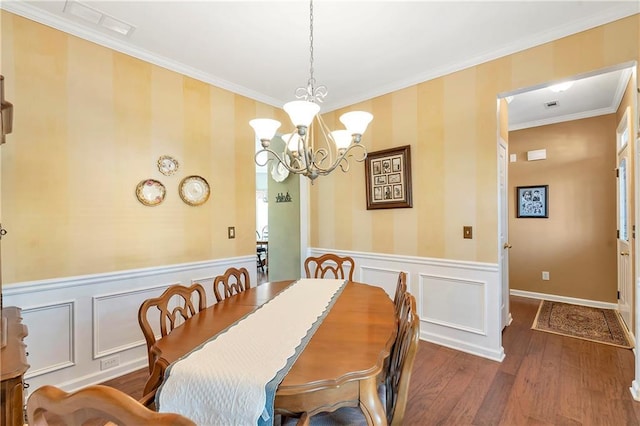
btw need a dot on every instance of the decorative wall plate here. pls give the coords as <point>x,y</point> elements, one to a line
<point>194,190</point>
<point>150,192</point>
<point>168,165</point>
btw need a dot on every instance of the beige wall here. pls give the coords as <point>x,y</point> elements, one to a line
<point>576,244</point>
<point>90,123</point>
<point>450,123</point>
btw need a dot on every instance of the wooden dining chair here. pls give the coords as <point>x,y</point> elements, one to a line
<point>403,355</point>
<point>175,305</point>
<point>394,389</point>
<point>329,265</point>
<point>401,289</point>
<point>233,281</point>
<point>93,403</point>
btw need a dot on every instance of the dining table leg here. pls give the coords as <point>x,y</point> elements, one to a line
<point>370,403</point>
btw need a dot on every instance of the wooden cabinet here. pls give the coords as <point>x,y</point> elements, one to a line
<point>13,358</point>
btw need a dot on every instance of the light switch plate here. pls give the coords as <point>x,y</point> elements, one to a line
<point>467,232</point>
<point>231,232</point>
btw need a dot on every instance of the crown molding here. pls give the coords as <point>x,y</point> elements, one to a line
<point>619,11</point>
<point>43,17</point>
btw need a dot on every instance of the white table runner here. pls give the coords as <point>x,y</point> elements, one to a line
<point>231,379</point>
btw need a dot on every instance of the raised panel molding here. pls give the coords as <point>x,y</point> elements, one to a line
<point>437,294</point>
<point>52,327</point>
<point>112,333</point>
<point>387,278</point>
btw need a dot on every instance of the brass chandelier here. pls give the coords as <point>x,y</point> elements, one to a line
<point>301,154</point>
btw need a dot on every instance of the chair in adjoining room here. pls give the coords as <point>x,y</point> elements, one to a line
<point>261,251</point>
<point>394,389</point>
<point>94,403</point>
<point>175,305</point>
<point>233,281</point>
<point>329,265</point>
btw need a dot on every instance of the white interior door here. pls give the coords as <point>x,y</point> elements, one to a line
<point>624,246</point>
<point>503,230</point>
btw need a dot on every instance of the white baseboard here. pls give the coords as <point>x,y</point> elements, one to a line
<point>564,299</point>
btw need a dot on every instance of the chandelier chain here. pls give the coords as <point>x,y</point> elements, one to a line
<point>311,79</point>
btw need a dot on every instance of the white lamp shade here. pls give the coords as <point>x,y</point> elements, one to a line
<point>356,122</point>
<point>342,138</point>
<point>301,112</point>
<point>265,128</point>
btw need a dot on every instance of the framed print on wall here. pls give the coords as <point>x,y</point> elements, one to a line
<point>388,178</point>
<point>532,201</point>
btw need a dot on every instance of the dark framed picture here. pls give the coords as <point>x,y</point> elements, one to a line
<point>532,201</point>
<point>388,178</point>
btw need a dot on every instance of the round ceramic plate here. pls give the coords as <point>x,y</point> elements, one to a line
<point>167,165</point>
<point>150,192</point>
<point>194,190</point>
<point>279,172</point>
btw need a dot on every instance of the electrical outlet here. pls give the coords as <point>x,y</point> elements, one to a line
<point>545,276</point>
<point>231,232</point>
<point>110,362</point>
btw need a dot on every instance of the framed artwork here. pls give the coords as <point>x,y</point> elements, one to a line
<point>532,201</point>
<point>388,178</point>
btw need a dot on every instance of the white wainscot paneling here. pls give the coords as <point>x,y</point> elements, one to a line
<point>113,316</point>
<point>50,327</point>
<point>453,302</point>
<point>387,278</point>
<point>458,301</point>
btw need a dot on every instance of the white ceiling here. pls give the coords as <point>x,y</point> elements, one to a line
<point>362,49</point>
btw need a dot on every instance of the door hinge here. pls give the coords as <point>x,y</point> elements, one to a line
<point>617,233</point>
<point>617,173</point>
<point>618,294</point>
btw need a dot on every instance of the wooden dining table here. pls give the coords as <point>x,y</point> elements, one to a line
<point>340,366</point>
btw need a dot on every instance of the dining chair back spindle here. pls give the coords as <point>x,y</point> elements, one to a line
<point>175,305</point>
<point>94,403</point>
<point>233,281</point>
<point>401,289</point>
<point>329,265</point>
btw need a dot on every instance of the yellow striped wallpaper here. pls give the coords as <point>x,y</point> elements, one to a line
<point>90,123</point>
<point>451,125</point>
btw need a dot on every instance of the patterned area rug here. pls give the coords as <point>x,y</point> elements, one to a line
<point>583,322</point>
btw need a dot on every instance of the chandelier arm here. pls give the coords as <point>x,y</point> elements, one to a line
<point>342,158</point>
<point>307,159</point>
<point>280,160</point>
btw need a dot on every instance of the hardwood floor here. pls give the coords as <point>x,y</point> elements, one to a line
<point>545,379</point>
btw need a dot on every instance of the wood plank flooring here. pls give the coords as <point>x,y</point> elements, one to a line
<point>545,379</point>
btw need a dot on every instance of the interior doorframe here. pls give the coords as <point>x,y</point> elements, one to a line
<point>635,385</point>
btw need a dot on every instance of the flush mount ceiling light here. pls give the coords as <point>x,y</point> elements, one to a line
<point>301,155</point>
<point>98,18</point>
<point>561,87</point>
